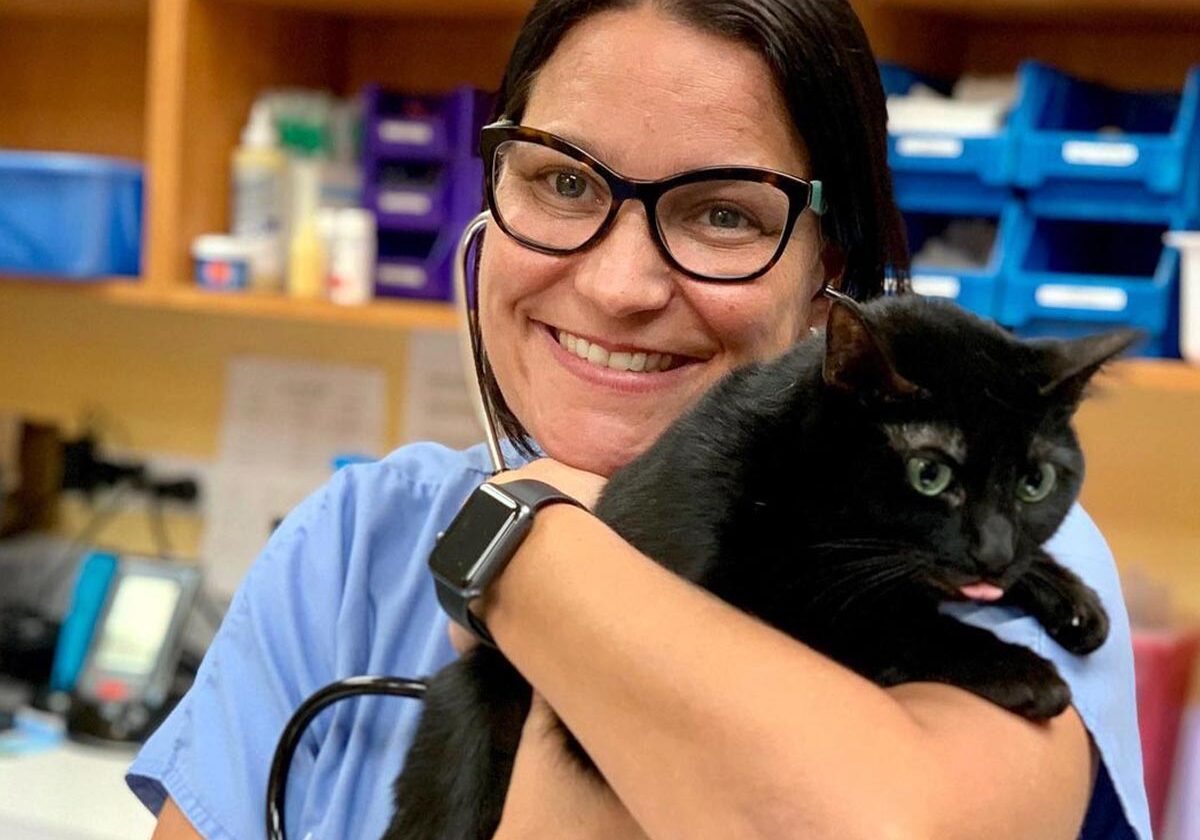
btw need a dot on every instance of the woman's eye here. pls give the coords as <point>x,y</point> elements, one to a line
<point>726,217</point>
<point>929,477</point>
<point>570,185</point>
<point>1037,483</point>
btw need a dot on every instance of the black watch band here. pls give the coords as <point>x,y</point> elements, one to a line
<point>456,601</point>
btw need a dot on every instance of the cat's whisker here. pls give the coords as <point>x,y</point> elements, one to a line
<point>865,578</point>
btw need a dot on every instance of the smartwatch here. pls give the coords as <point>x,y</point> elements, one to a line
<point>481,540</point>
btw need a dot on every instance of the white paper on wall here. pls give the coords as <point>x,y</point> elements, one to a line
<point>439,402</point>
<point>283,424</point>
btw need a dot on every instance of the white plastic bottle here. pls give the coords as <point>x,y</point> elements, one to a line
<point>1188,243</point>
<point>259,181</point>
<point>352,261</point>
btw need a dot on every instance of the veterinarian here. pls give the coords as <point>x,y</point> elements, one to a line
<point>705,723</point>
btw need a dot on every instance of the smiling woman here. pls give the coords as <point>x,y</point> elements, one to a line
<point>599,277</point>
<point>673,185</point>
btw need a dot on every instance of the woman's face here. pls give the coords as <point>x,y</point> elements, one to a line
<point>649,97</point>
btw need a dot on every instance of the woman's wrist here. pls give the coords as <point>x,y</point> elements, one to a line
<point>505,594</point>
<point>582,486</point>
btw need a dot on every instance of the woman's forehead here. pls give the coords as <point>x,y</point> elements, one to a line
<point>651,97</point>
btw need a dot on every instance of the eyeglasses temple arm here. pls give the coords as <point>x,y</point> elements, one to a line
<point>816,199</point>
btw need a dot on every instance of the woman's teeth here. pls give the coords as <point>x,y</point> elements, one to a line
<point>597,355</point>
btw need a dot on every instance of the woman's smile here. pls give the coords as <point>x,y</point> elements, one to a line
<point>621,366</point>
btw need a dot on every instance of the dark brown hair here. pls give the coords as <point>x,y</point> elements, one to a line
<point>828,77</point>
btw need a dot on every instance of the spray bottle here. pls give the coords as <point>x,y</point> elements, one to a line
<point>259,184</point>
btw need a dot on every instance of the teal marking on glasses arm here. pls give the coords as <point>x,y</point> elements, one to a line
<point>817,201</point>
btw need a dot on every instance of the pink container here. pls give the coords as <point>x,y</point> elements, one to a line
<point>1163,662</point>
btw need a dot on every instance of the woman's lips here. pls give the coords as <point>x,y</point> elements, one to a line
<point>628,381</point>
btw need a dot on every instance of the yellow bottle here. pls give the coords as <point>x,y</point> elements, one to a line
<point>306,254</point>
<point>306,261</point>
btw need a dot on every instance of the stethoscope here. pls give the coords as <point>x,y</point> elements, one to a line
<point>281,763</point>
<point>468,312</point>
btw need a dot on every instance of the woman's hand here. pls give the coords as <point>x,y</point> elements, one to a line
<point>550,796</point>
<point>583,486</point>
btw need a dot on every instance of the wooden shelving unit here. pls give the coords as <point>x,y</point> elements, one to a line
<point>1046,9</point>
<point>387,314</point>
<point>1141,44</point>
<point>211,58</point>
<point>170,82</point>
<point>77,9</point>
<point>413,9</point>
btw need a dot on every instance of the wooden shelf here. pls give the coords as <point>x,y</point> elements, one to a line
<point>392,314</point>
<point>84,9</point>
<point>476,9</point>
<point>1161,375</point>
<point>387,314</point>
<point>1046,9</point>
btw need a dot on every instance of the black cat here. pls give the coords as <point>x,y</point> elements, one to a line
<point>916,455</point>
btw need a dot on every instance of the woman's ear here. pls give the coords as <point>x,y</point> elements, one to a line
<point>818,310</point>
<point>833,266</point>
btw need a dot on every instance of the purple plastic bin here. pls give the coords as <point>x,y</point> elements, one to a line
<point>455,193</point>
<point>424,182</point>
<point>413,265</point>
<point>403,127</point>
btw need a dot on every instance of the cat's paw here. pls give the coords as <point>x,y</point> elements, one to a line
<point>1036,700</point>
<point>1083,629</point>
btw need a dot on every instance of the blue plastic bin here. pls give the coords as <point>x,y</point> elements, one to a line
<point>70,215</point>
<point>1069,277</point>
<point>975,289</point>
<point>943,171</point>
<point>1088,151</point>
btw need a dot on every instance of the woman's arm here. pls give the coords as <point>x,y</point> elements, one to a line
<point>707,723</point>
<point>173,825</point>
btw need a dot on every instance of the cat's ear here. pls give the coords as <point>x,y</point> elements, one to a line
<point>856,361</point>
<point>1072,363</point>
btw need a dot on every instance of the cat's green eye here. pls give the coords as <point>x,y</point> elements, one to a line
<point>929,477</point>
<point>1037,484</point>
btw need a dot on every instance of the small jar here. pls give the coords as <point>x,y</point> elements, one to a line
<point>222,263</point>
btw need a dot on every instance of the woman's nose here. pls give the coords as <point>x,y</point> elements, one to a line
<point>624,274</point>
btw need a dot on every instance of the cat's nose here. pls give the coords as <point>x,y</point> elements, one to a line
<point>994,553</point>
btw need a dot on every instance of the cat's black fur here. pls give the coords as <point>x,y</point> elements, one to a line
<point>786,492</point>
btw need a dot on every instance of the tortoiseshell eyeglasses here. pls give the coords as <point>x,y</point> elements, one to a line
<point>726,224</point>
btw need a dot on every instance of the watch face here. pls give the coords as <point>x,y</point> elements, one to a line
<point>467,544</point>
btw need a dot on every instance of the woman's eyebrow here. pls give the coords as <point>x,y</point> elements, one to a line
<point>603,155</point>
<point>575,140</point>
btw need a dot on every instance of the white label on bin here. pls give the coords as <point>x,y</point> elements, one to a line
<point>401,276</point>
<point>1092,153</point>
<point>406,131</point>
<point>1100,298</point>
<point>929,147</point>
<point>405,203</point>
<point>931,286</point>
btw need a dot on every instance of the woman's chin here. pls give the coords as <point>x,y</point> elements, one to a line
<point>597,448</point>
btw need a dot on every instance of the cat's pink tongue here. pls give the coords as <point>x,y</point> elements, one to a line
<point>982,592</point>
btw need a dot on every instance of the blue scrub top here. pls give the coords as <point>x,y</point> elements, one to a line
<point>342,589</point>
